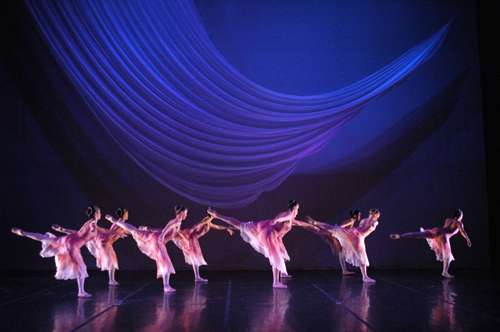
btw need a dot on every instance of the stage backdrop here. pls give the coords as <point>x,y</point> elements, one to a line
<point>244,105</point>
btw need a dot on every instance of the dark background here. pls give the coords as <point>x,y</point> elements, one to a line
<point>418,153</point>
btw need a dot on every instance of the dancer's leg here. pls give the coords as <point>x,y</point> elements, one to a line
<point>34,236</point>
<point>413,235</point>
<point>343,265</point>
<point>111,275</point>
<point>166,284</point>
<point>81,288</point>
<point>366,278</point>
<point>197,276</point>
<point>446,266</point>
<point>276,279</point>
<point>231,221</point>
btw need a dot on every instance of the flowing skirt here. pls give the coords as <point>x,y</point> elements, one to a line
<point>352,245</point>
<point>440,244</point>
<point>262,237</point>
<point>104,254</point>
<point>150,245</point>
<point>68,259</point>
<point>192,251</point>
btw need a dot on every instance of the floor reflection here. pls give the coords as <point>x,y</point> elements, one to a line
<point>272,317</point>
<point>442,315</point>
<point>357,299</point>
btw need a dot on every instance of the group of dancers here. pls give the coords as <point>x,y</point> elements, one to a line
<point>346,240</point>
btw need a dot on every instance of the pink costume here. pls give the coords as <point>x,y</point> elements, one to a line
<point>66,250</point>
<point>352,241</point>
<point>101,247</point>
<point>152,244</point>
<point>440,241</point>
<point>190,245</point>
<point>267,238</point>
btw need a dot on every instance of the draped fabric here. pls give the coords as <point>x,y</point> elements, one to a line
<point>172,102</point>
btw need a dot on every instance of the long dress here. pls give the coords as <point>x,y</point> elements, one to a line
<point>265,238</point>
<point>352,241</point>
<point>101,247</point>
<point>440,242</point>
<point>66,250</point>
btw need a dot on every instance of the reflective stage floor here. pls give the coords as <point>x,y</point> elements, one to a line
<point>245,301</point>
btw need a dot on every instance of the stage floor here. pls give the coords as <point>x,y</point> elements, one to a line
<point>239,301</point>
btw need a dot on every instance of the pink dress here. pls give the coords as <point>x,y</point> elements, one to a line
<point>101,247</point>
<point>266,239</point>
<point>151,244</point>
<point>440,243</point>
<point>66,250</point>
<point>352,241</point>
<point>190,246</point>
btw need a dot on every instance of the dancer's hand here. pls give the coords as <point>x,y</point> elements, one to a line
<point>17,231</point>
<point>230,231</point>
<point>310,220</point>
<point>56,227</point>
<point>469,244</point>
<point>395,236</point>
<point>109,218</point>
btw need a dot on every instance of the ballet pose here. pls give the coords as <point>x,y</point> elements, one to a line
<point>352,240</point>
<point>66,249</point>
<point>326,235</point>
<point>151,242</point>
<point>188,241</point>
<point>101,246</point>
<point>266,237</point>
<point>438,239</point>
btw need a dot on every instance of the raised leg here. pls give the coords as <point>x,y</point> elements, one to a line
<point>230,220</point>
<point>413,235</point>
<point>34,236</point>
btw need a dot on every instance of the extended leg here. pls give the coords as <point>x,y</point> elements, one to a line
<point>413,235</point>
<point>34,236</point>
<point>231,221</point>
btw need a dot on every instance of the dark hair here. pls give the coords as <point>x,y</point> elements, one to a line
<point>458,213</point>
<point>120,212</point>
<point>179,208</point>
<point>292,203</point>
<point>91,210</point>
<point>354,213</point>
<point>373,211</point>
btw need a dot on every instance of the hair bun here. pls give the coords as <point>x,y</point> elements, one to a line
<point>90,211</point>
<point>119,212</point>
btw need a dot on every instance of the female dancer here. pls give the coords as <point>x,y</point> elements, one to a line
<point>101,246</point>
<point>266,237</point>
<point>188,241</point>
<point>66,249</point>
<point>336,248</point>
<point>352,240</point>
<point>438,239</point>
<point>152,243</point>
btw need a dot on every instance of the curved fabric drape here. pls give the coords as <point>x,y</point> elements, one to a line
<point>154,80</point>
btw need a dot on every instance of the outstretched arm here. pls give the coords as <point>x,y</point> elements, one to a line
<point>348,223</point>
<point>281,217</point>
<point>172,224</point>
<point>230,230</point>
<point>321,225</point>
<point>60,229</point>
<point>306,225</point>
<point>464,234</point>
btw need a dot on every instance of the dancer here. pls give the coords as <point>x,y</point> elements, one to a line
<point>266,237</point>
<point>326,235</point>
<point>151,242</point>
<point>66,249</point>
<point>352,240</point>
<point>101,246</point>
<point>438,239</point>
<point>188,241</point>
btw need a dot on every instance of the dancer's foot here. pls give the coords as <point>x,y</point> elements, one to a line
<point>113,283</point>
<point>200,279</point>
<point>368,280</point>
<point>395,236</point>
<point>279,285</point>
<point>17,231</point>
<point>84,294</point>
<point>447,275</point>
<point>168,290</point>
<point>286,276</point>
<point>347,273</point>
